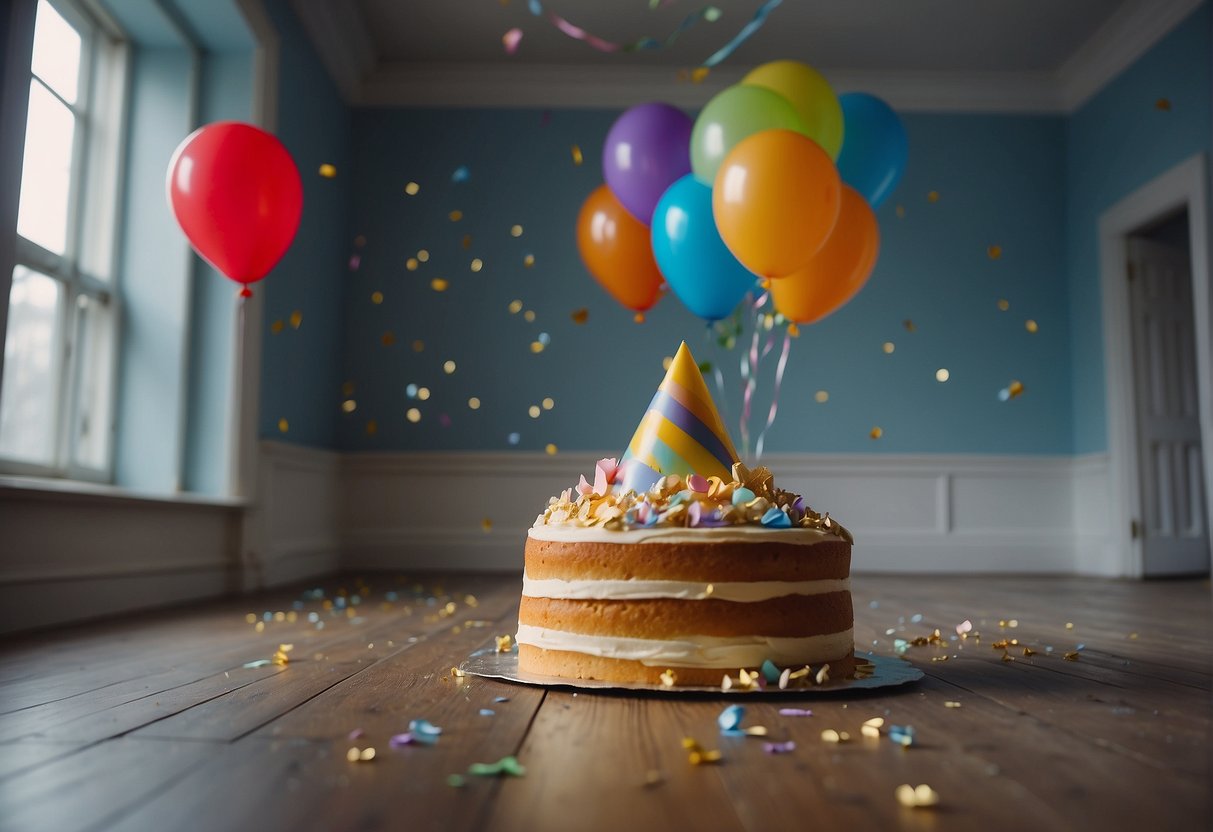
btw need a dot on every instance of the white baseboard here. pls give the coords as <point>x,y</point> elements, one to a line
<point>909,513</point>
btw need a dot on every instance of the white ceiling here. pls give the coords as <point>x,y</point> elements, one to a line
<point>991,55</point>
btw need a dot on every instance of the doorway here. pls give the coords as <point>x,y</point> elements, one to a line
<point>1172,525</point>
<point>1157,309</point>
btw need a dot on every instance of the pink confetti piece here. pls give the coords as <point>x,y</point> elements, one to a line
<point>697,484</point>
<point>355,262</point>
<point>401,739</point>
<point>963,627</point>
<point>356,734</point>
<point>584,488</point>
<point>795,712</point>
<point>779,747</point>
<point>511,39</point>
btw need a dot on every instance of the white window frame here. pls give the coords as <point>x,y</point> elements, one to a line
<point>94,218</point>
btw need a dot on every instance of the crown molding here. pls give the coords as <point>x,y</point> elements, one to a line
<point>1123,38</point>
<point>341,37</point>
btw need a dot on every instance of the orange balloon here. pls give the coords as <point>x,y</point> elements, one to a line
<point>775,200</point>
<point>615,248</point>
<point>838,271</point>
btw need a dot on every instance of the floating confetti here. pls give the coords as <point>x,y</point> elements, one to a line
<point>544,338</point>
<point>1011,391</point>
<point>538,347</point>
<point>461,174</point>
<point>933,196</point>
<point>423,256</point>
<point>466,242</point>
<point>513,438</point>
<point>486,525</point>
<point>355,262</point>
<point>376,298</point>
<point>580,316</point>
<point>1031,326</point>
<point>328,171</point>
<point>412,189</point>
<point>909,325</point>
<point>296,319</point>
<point>506,765</point>
<point>529,316</point>
<point>360,755</point>
<point>1003,304</point>
<point>411,264</point>
<point>576,151</point>
<point>477,264</point>
<point>387,339</point>
<point>942,375</point>
<point>515,307</point>
<point>372,427</point>
<point>821,396</point>
<point>511,39</point>
<point>994,252</point>
<point>283,425</point>
<point>439,284</point>
<point>528,260</point>
<point>549,403</point>
<point>888,347</point>
<point>550,449</point>
<point>349,405</point>
<point>533,411</point>
<point>916,797</point>
<point>277,326</point>
<point>474,403</point>
<point>448,367</point>
<point>413,415</point>
<point>455,216</point>
<point>411,391</point>
<point>516,231</point>
<point>876,432</point>
<point>1163,104</point>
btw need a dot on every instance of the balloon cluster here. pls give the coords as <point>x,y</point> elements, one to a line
<point>775,179</point>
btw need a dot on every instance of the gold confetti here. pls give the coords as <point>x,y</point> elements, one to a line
<point>871,728</point>
<point>349,405</point>
<point>548,403</point>
<point>260,627</point>
<point>448,367</point>
<point>823,675</point>
<point>477,264</point>
<point>1069,625</point>
<point>283,425</point>
<point>994,252</point>
<point>466,242</point>
<point>1013,623</point>
<point>277,326</point>
<point>347,388</point>
<point>418,345</point>
<point>1003,304</point>
<point>1072,656</point>
<point>666,362</point>
<point>516,231</point>
<point>919,797</point>
<point>439,284</point>
<point>638,318</point>
<point>515,307</point>
<point>296,319</point>
<point>529,260</point>
<point>888,347</point>
<point>1030,326</point>
<point>577,159</point>
<point>1133,636</point>
<point>505,643</point>
<point>357,755</point>
<point>281,656</point>
<point>413,415</point>
<point>537,347</point>
<point>423,393</point>
<point>900,210</point>
<point>387,339</point>
<point>699,73</point>
<point>423,256</point>
<point>328,171</point>
<point>951,704</point>
<point>580,316</point>
<point>933,196</point>
<point>457,673</point>
<point>533,410</point>
<point>456,215</point>
<point>551,449</point>
<point>529,316</point>
<point>1015,389</point>
<point>909,325</point>
<point>1029,652</point>
<point>1163,104</point>
<point>411,264</point>
<point>830,735</point>
<point>376,298</point>
<point>876,432</point>
<point>372,427</point>
<point>696,753</point>
<point>942,374</point>
<point>793,330</point>
<point>821,396</point>
<point>412,188</point>
<point>251,618</point>
<point>668,678</point>
<point>474,403</point>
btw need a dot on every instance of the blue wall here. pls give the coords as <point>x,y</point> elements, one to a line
<point>301,367</point>
<point>999,180</point>
<point>1118,141</point>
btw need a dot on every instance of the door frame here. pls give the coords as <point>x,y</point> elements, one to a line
<point>1184,186</point>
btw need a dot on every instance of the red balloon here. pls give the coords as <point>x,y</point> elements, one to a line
<point>237,195</point>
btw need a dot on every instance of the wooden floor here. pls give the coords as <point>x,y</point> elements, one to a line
<point>155,722</point>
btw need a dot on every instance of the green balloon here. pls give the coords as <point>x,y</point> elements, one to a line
<point>732,115</point>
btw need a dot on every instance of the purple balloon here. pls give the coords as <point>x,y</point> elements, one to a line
<point>647,150</point>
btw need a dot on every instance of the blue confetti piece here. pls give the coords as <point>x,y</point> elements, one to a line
<point>770,671</point>
<point>411,391</point>
<point>424,731</point>
<point>730,719</point>
<point>544,338</point>
<point>461,174</point>
<point>1080,646</point>
<point>902,734</point>
<point>487,712</point>
<point>742,496</point>
<point>776,518</point>
<point>900,645</point>
<point>873,605</point>
<point>501,699</point>
<point>914,619</point>
<point>258,663</point>
<point>513,439</point>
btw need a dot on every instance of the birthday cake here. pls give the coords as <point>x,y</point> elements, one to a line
<point>678,565</point>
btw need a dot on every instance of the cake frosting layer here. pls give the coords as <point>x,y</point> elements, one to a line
<point>729,652</point>
<point>638,588</point>
<point>680,534</point>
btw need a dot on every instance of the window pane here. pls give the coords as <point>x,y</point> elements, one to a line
<point>56,52</point>
<point>31,368</point>
<point>46,176</point>
<point>91,421</point>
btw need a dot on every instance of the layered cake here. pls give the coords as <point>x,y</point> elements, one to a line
<point>678,565</point>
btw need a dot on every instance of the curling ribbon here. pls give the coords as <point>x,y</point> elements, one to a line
<point>760,17</point>
<point>779,369</point>
<point>708,13</point>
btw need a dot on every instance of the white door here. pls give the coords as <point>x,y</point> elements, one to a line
<point>1173,525</point>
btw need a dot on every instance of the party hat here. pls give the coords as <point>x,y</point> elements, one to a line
<point>681,432</point>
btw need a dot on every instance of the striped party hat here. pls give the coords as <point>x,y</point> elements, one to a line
<point>681,432</point>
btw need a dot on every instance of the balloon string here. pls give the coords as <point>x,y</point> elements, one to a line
<point>709,14</point>
<point>779,370</point>
<point>749,371</point>
<point>718,352</point>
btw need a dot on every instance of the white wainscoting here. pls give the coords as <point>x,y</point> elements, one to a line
<point>922,513</point>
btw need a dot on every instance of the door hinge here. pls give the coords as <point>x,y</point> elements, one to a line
<point>1134,529</point>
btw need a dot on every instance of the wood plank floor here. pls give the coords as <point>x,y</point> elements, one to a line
<point>157,721</point>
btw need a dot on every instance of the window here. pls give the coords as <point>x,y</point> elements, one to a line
<point>56,401</point>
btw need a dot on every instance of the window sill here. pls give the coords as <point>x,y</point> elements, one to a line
<point>45,487</point>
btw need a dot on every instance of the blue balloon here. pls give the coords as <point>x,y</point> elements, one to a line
<point>874,146</point>
<point>694,260</point>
